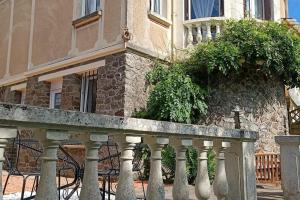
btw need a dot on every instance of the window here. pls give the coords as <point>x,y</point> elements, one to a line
<point>88,92</point>
<point>89,6</point>
<point>159,7</point>
<point>203,8</point>
<point>263,9</point>
<point>55,94</point>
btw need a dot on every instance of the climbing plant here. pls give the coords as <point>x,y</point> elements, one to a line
<point>179,89</point>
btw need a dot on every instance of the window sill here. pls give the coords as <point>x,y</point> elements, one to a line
<point>88,19</point>
<point>159,19</point>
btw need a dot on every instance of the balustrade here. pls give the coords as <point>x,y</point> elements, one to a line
<point>92,130</point>
<point>202,29</point>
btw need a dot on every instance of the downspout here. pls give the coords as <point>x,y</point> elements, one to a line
<point>172,31</point>
<point>286,8</point>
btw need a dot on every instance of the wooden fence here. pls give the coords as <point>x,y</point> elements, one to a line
<point>268,168</point>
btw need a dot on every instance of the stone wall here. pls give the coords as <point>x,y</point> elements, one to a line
<point>37,93</point>
<point>121,85</point>
<point>261,101</point>
<point>10,96</point>
<point>70,95</point>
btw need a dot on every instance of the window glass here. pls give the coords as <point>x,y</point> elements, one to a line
<point>206,8</point>
<point>88,93</point>
<point>89,6</point>
<point>57,100</point>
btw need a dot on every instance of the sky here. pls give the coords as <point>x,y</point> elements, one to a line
<point>294,9</point>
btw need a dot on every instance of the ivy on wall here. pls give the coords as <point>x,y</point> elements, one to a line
<point>179,90</point>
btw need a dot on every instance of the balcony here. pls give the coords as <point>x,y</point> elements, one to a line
<point>234,148</point>
<point>202,29</point>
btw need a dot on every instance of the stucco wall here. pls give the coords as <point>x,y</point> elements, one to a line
<point>263,102</point>
<point>20,37</point>
<point>52,33</point>
<point>4,34</point>
<point>147,33</point>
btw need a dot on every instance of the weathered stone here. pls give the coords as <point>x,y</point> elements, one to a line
<point>262,102</point>
<point>71,91</point>
<point>37,93</point>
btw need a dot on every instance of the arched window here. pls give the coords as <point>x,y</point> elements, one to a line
<point>203,8</point>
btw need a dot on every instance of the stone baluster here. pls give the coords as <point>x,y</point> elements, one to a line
<point>90,186</point>
<point>290,165</point>
<point>208,31</point>
<point>5,134</point>
<point>218,29</point>
<point>155,189</point>
<point>202,185</point>
<point>199,34</point>
<point>125,188</point>
<point>190,38</point>
<point>180,187</point>
<point>50,140</point>
<point>220,184</point>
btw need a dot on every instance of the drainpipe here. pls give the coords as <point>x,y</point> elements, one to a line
<point>172,31</point>
<point>286,8</point>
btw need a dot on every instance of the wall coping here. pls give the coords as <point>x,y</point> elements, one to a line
<point>287,139</point>
<point>74,121</point>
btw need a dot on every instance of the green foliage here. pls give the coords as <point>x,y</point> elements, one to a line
<point>179,91</point>
<point>175,97</point>
<point>269,48</point>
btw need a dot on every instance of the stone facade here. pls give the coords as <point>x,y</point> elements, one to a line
<point>37,93</point>
<point>261,101</point>
<point>10,96</point>
<point>70,95</point>
<point>121,85</point>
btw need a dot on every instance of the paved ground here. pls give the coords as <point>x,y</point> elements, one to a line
<point>265,192</point>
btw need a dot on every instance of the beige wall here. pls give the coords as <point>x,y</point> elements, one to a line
<point>52,33</point>
<point>147,33</point>
<point>4,34</point>
<point>20,37</point>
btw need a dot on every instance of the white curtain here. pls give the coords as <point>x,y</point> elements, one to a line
<point>202,8</point>
<point>91,6</point>
<point>156,6</point>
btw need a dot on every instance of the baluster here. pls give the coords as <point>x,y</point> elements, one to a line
<point>190,38</point>
<point>220,184</point>
<point>50,140</point>
<point>125,189</point>
<point>180,187</point>
<point>155,189</point>
<point>208,31</point>
<point>202,186</point>
<point>90,186</point>
<point>199,34</point>
<point>218,29</point>
<point>5,134</point>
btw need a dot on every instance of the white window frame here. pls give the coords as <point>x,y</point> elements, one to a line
<point>162,8</point>
<point>56,87</point>
<point>85,81</point>
<point>83,3</point>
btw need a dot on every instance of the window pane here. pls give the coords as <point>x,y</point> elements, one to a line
<point>268,9</point>
<point>204,8</point>
<point>57,100</point>
<point>156,7</point>
<point>259,9</point>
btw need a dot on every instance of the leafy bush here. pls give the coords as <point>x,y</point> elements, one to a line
<point>175,97</point>
<point>179,90</point>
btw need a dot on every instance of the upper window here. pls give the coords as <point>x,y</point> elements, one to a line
<point>263,9</point>
<point>88,92</point>
<point>89,6</point>
<point>159,7</point>
<point>203,8</point>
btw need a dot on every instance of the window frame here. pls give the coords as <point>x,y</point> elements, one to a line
<point>188,8</point>
<point>85,91</point>
<point>56,88</point>
<point>163,8</point>
<point>84,8</point>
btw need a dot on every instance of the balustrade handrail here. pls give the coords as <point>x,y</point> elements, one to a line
<point>52,127</point>
<point>204,19</point>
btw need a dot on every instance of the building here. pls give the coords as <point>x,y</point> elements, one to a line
<point>92,55</point>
